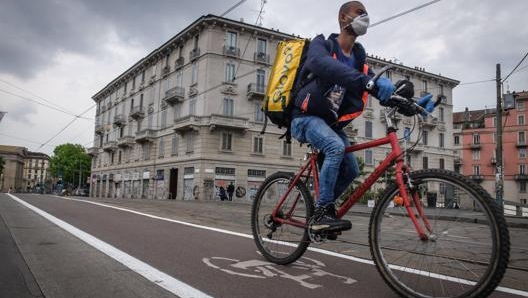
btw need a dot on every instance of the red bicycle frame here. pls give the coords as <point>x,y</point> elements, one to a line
<point>395,156</point>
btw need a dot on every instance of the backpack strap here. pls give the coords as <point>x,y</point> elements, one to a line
<point>364,98</point>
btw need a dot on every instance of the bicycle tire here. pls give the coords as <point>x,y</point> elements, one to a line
<point>281,243</point>
<point>465,256</point>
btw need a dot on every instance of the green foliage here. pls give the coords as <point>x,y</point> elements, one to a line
<point>2,164</point>
<point>68,161</point>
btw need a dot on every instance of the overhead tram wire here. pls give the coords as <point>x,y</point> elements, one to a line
<point>404,13</point>
<point>233,7</point>
<point>518,64</point>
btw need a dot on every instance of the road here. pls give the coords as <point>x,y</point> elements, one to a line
<point>78,247</point>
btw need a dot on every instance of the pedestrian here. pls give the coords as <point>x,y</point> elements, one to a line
<point>222,194</point>
<point>10,189</point>
<point>230,190</point>
<point>325,105</point>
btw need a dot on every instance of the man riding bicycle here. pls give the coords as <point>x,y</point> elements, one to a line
<point>326,104</point>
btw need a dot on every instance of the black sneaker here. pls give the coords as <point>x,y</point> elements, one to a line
<point>325,220</point>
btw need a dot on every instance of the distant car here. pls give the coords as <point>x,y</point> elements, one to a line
<point>83,192</point>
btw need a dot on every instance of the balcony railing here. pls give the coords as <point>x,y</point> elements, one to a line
<point>194,54</point>
<point>256,91</point>
<point>475,146</point>
<point>187,123</point>
<point>145,135</point>
<point>231,51</point>
<point>429,122</point>
<point>93,151</point>
<point>179,63</point>
<point>228,122</point>
<point>477,178</point>
<point>520,177</point>
<point>119,119</point>
<point>110,146</point>
<point>522,144</point>
<point>261,57</point>
<point>99,129</point>
<point>458,161</point>
<point>493,160</point>
<point>174,95</point>
<point>137,112</point>
<point>125,141</point>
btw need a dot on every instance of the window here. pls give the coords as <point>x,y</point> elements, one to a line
<point>119,156</point>
<point>368,129</point>
<point>456,141</point>
<point>261,80</point>
<point>286,148</point>
<point>146,151</point>
<point>441,140</point>
<point>261,46</point>
<point>230,72</point>
<point>522,189</point>
<point>476,138</point>
<point>225,171</point>
<point>441,88</point>
<point>441,114</point>
<point>369,157</point>
<point>164,118</point>
<point>520,119</point>
<point>258,144</point>
<point>150,120</point>
<point>189,140</point>
<point>227,139</point>
<point>256,173</point>
<point>228,107</point>
<point>188,171</point>
<point>192,107</point>
<point>231,40</point>
<point>520,106</point>
<point>194,73</point>
<point>388,74</point>
<point>494,138</point>
<point>424,85</point>
<point>476,154</point>
<point>522,152</point>
<point>476,170</point>
<point>425,135</point>
<point>174,145</point>
<point>425,162</point>
<point>177,110</point>
<point>522,138</point>
<point>441,163</point>
<point>161,148</point>
<point>195,41</point>
<point>522,169</point>
<point>259,114</point>
<point>160,174</point>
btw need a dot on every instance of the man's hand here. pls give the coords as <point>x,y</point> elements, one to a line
<point>426,102</point>
<point>385,89</point>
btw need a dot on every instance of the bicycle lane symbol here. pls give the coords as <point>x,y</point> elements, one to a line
<point>310,270</point>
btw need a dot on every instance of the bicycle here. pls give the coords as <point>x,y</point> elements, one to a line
<point>419,249</point>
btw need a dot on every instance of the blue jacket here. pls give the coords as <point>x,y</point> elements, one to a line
<point>327,72</point>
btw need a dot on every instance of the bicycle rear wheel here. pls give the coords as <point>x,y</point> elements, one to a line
<point>281,243</point>
<point>467,252</point>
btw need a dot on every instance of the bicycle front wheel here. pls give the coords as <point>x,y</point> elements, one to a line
<point>467,250</point>
<point>279,241</point>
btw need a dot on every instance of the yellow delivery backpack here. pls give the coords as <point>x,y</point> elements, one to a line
<point>280,93</point>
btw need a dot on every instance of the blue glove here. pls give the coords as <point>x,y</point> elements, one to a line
<point>427,103</point>
<point>385,89</point>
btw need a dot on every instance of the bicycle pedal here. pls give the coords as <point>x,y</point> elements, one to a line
<point>333,236</point>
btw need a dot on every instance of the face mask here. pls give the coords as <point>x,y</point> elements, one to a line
<point>359,24</point>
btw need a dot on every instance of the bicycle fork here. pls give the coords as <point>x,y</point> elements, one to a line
<point>408,192</point>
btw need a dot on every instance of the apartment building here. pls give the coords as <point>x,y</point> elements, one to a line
<point>37,171</point>
<point>187,118</point>
<point>476,140</point>
<point>23,170</point>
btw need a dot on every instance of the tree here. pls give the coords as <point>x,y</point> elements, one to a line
<point>68,162</point>
<point>2,164</point>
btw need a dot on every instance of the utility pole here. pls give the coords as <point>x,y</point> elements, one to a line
<point>499,176</point>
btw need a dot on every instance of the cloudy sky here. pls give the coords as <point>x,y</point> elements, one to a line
<point>56,54</point>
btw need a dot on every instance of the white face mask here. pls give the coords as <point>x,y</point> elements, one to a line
<point>359,24</point>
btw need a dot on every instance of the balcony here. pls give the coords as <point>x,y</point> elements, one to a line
<point>93,151</point>
<point>261,57</point>
<point>188,123</point>
<point>174,95</point>
<point>194,54</point>
<point>231,51</point>
<point>419,148</point>
<point>520,177</point>
<point>475,146</point>
<point>110,146</point>
<point>493,161</point>
<point>125,141</point>
<point>137,112</point>
<point>119,120</point>
<point>396,116</point>
<point>521,144</point>
<point>458,161</point>
<point>477,178</point>
<point>228,122</point>
<point>429,123</point>
<point>99,129</point>
<point>256,91</point>
<point>165,70</point>
<point>179,63</point>
<point>145,135</point>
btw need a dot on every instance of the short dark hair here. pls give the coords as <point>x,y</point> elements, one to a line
<point>346,7</point>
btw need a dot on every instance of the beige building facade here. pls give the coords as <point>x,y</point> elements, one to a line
<point>24,170</point>
<point>186,119</point>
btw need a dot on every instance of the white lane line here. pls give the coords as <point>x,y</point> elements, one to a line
<point>164,280</point>
<point>318,250</point>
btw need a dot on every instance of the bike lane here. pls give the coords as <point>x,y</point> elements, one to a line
<point>217,262</point>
